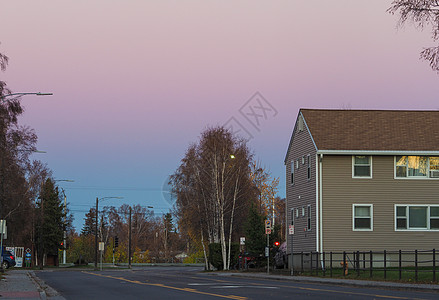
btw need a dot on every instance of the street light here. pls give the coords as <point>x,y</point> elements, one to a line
<point>24,94</point>
<point>96,228</point>
<point>64,256</point>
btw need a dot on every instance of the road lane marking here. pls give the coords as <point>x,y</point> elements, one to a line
<point>169,287</point>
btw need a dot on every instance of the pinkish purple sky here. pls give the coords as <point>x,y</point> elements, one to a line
<point>135,82</point>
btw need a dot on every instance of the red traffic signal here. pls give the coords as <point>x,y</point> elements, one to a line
<point>276,244</point>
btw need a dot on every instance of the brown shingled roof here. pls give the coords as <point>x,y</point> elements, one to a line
<point>373,130</point>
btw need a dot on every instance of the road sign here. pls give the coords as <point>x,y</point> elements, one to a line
<point>291,229</point>
<point>267,251</point>
<point>268,223</point>
<point>28,250</point>
<point>267,230</point>
<point>101,246</point>
<point>242,240</point>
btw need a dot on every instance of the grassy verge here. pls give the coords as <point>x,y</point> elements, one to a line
<point>408,275</point>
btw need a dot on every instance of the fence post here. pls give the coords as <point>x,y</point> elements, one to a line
<point>434,265</point>
<point>358,263</point>
<point>400,264</point>
<point>364,261</point>
<point>344,263</point>
<point>324,264</point>
<point>330,263</point>
<point>416,265</point>
<point>385,264</point>
<point>317,263</point>
<point>370,264</point>
<point>310,263</point>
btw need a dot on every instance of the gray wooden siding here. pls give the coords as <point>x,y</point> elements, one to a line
<point>301,146</point>
<point>340,191</point>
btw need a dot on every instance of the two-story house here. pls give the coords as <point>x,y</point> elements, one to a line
<point>363,180</point>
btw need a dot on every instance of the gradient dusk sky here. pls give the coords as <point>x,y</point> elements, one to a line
<point>135,82</point>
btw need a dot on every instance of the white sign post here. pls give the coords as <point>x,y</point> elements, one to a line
<point>2,233</point>
<point>101,248</point>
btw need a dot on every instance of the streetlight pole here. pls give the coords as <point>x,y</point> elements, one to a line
<point>3,97</point>
<point>64,258</point>
<point>96,228</point>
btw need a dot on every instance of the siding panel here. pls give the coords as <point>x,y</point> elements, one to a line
<point>302,193</point>
<point>340,191</point>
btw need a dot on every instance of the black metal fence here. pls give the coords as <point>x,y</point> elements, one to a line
<point>417,265</point>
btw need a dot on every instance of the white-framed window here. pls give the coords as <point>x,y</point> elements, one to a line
<point>416,217</point>
<point>362,217</point>
<point>292,172</point>
<point>416,167</point>
<point>308,223</point>
<point>303,211</point>
<point>309,166</point>
<point>297,163</point>
<point>361,166</point>
<point>297,212</point>
<point>292,216</point>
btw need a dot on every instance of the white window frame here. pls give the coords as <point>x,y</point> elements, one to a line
<point>413,177</point>
<point>308,218</point>
<point>370,166</point>
<point>292,216</point>
<point>309,167</point>
<point>408,217</point>
<point>292,172</point>
<point>303,211</point>
<point>353,217</point>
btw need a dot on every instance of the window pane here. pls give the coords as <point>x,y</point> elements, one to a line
<point>362,171</point>
<point>362,223</point>
<point>417,217</point>
<point>401,171</point>
<point>401,223</point>
<point>361,160</point>
<point>401,160</point>
<point>434,161</point>
<point>417,165</point>
<point>434,223</point>
<point>434,211</point>
<point>401,211</point>
<point>362,211</point>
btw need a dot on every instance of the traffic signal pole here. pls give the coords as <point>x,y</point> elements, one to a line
<point>268,254</point>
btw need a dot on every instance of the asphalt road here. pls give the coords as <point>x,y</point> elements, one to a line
<point>189,283</point>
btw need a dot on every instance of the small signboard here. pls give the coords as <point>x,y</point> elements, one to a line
<point>267,251</point>
<point>291,229</point>
<point>101,246</point>
<point>242,240</point>
<point>267,230</point>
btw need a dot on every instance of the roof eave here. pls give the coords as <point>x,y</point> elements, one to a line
<point>379,152</point>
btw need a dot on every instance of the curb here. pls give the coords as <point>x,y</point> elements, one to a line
<point>333,281</point>
<point>40,289</point>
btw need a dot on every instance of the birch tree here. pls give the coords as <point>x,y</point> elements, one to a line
<point>422,13</point>
<point>213,189</point>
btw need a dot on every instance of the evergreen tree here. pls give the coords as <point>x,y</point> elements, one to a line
<point>50,227</point>
<point>255,239</point>
<point>90,223</point>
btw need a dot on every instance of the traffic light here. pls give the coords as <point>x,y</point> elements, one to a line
<point>116,242</point>
<point>61,245</point>
<point>277,244</point>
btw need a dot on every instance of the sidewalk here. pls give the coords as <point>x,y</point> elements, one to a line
<point>351,282</point>
<point>20,284</point>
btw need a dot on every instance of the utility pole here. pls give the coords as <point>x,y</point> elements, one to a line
<point>129,240</point>
<point>65,234</point>
<point>96,236</point>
